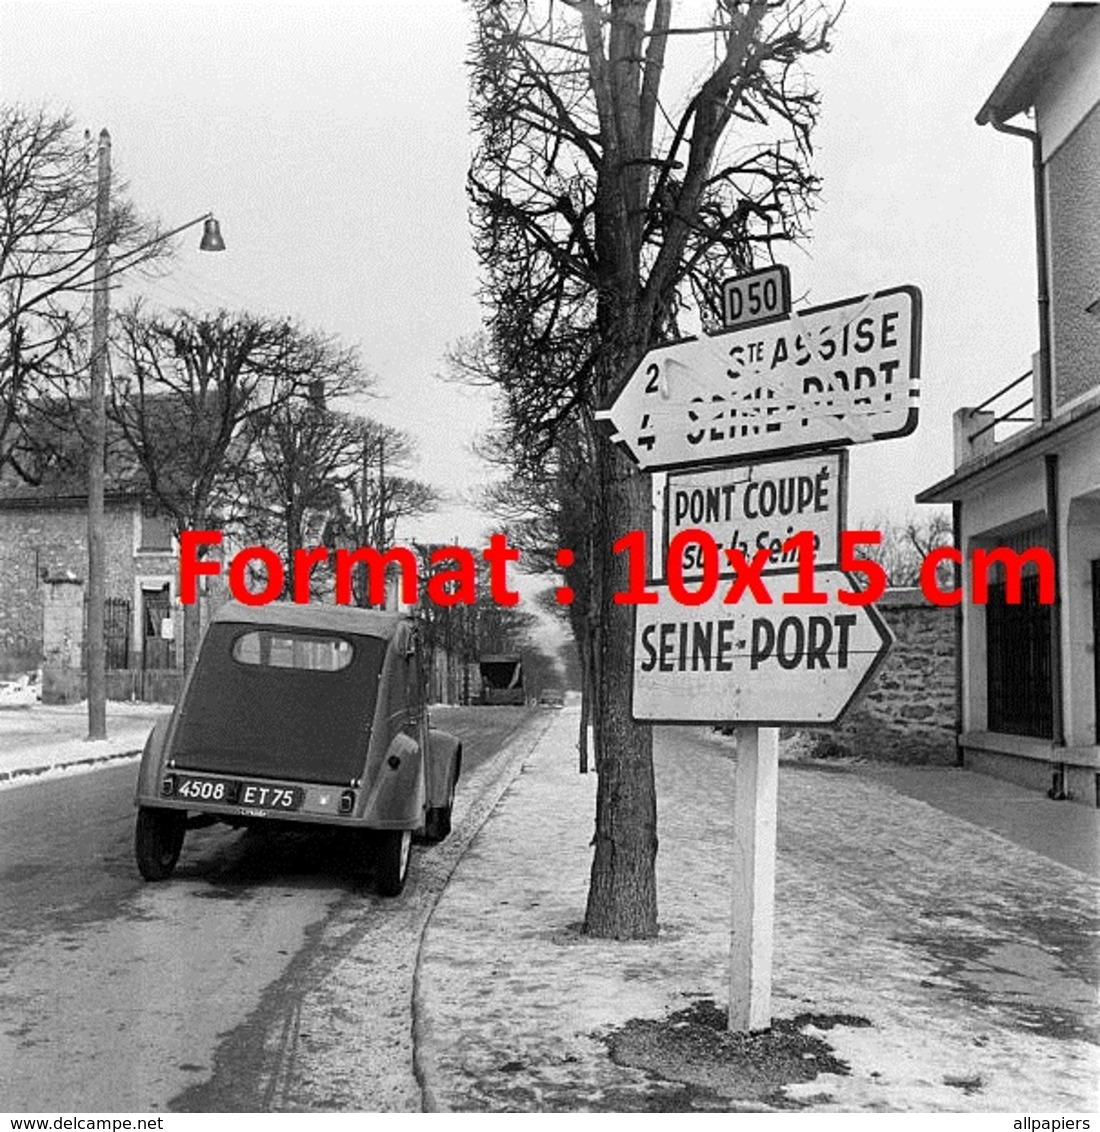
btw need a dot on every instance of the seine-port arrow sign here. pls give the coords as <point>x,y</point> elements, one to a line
<point>843,373</point>
<point>752,663</point>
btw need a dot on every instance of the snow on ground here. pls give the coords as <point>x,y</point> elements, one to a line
<point>972,958</point>
<point>47,740</point>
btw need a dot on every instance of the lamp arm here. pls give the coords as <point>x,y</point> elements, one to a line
<point>117,263</point>
<point>75,281</point>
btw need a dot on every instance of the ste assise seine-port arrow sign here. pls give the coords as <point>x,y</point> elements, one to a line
<point>838,374</point>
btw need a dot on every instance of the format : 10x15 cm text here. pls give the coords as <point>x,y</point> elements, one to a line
<point>695,567</point>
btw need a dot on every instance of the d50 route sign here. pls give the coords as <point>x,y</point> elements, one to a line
<point>843,373</point>
<point>754,663</point>
<point>756,297</point>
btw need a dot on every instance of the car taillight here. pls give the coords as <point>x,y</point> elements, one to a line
<point>168,786</point>
<point>347,801</point>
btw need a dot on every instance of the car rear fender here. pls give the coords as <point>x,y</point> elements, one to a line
<point>396,797</point>
<point>152,762</point>
<point>444,764</point>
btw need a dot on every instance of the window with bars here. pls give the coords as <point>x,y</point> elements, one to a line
<point>116,632</point>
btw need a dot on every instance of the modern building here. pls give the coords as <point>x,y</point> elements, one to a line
<point>1030,673</point>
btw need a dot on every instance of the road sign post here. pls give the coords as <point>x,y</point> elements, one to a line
<point>805,384</point>
<point>756,775</point>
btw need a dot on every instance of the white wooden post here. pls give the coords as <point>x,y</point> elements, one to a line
<point>754,796</point>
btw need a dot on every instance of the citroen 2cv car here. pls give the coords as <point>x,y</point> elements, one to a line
<point>301,713</point>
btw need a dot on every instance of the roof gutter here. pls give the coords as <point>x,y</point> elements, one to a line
<point>1046,399</point>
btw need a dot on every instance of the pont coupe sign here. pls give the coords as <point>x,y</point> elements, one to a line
<point>759,506</point>
<point>843,373</point>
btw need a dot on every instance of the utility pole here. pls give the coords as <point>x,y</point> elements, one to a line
<point>361,527</point>
<point>377,528</point>
<point>95,643</point>
<point>380,538</point>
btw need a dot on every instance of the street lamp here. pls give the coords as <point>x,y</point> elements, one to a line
<point>95,641</point>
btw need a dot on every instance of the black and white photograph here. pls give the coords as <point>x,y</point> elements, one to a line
<point>549,560</point>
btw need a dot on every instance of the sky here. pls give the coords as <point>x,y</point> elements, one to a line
<point>332,141</point>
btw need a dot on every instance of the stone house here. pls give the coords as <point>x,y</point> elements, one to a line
<point>1030,674</point>
<point>43,561</point>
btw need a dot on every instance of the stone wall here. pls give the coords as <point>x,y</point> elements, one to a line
<point>36,543</point>
<point>63,623</point>
<point>62,640</point>
<point>908,713</point>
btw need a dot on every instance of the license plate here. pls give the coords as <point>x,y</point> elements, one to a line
<point>264,796</point>
<point>256,795</point>
<point>204,789</point>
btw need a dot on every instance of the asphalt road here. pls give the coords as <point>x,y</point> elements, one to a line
<point>266,975</point>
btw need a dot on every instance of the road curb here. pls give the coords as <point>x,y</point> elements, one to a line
<point>45,768</point>
<point>500,772</point>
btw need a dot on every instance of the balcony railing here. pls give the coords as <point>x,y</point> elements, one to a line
<point>1010,415</point>
<point>975,428</point>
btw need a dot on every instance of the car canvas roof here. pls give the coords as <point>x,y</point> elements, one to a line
<point>334,618</point>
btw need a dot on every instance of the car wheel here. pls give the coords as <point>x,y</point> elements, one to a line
<point>158,839</point>
<point>437,821</point>
<point>394,850</point>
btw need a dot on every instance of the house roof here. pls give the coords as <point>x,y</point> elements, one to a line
<point>1029,442</point>
<point>52,450</point>
<point>28,498</point>
<point>65,484</point>
<point>1049,41</point>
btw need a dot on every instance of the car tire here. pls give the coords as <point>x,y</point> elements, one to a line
<point>158,839</point>
<point>437,821</point>
<point>392,867</point>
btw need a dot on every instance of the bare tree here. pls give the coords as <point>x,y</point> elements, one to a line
<point>379,495</point>
<point>186,404</point>
<point>375,496</point>
<point>601,210</point>
<point>548,510</point>
<point>303,454</point>
<point>906,542</point>
<point>466,631</point>
<point>47,253</point>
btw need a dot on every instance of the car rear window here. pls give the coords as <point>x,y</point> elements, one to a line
<point>280,649</point>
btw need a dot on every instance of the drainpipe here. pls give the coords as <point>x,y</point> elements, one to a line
<point>1046,399</point>
<point>1058,729</point>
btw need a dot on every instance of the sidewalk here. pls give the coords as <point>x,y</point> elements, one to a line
<point>51,738</point>
<point>1067,832</point>
<point>946,967</point>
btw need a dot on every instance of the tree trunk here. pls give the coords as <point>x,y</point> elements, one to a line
<point>293,527</point>
<point>585,649</point>
<point>586,706</point>
<point>192,629</point>
<point>622,894</point>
